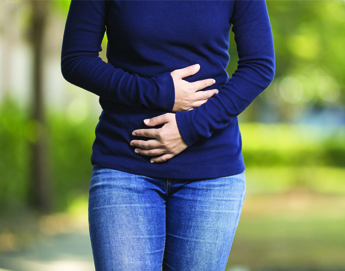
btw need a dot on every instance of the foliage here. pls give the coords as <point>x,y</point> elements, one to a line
<point>14,154</point>
<point>310,60</point>
<point>275,180</point>
<point>69,151</point>
<point>292,145</point>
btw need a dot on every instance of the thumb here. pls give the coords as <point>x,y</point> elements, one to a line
<point>156,120</point>
<point>187,71</point>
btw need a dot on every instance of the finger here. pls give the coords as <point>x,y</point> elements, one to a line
<point>205,94</point>
<point>146,144</point>
<point>163,158</point>
<point>198,103</point>
<point>157,120</point>
<point>187,71</point>
<point>153,133</point>
<point>153,152</point>
<point>201,84</point>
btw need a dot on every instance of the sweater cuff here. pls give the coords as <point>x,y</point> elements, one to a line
<point>166,91</point>
<point>185,126</point>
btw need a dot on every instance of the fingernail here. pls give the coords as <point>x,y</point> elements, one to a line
<point>136,151</point>
<point>147,121</point>
<point>134,133</point>
<point>131,143</point>
<point>152,161</point>
<point>196,66</point>
<point>214,81</point>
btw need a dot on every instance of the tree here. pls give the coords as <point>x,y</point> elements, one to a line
<point>40,192</point>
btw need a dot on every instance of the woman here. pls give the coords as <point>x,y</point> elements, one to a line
<point>167,193</point>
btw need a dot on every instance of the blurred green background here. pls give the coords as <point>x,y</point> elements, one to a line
<point>293,143</point>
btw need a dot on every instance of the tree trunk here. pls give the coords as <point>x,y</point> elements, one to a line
<point>40,193</point>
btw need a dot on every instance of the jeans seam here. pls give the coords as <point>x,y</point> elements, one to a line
<point>167,191</point>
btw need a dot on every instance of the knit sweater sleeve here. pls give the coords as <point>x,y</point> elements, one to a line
<point>81,65</point>
<point>255,71</point>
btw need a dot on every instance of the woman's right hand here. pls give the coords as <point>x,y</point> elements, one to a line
<point>187,95</point>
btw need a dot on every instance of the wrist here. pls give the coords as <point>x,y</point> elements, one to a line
<point>166,91</point>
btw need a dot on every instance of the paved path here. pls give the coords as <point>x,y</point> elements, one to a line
<point>67,252</point>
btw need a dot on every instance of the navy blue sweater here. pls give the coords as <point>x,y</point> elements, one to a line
<point>146,41</point>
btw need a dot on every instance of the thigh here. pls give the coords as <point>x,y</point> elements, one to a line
<point>126,221</point>
<point>202,217</point>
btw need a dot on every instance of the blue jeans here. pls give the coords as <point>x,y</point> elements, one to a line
<point>143,223</point>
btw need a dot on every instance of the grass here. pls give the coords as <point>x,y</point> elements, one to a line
<point>298,228</point>
<point>267,180</point>
<point>292,217</point>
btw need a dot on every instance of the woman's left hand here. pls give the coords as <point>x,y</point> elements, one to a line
<point>167,141</point>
